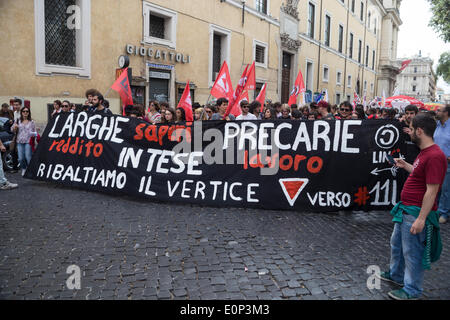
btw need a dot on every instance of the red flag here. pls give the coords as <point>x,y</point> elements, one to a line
<point>404,65</point>
<point>186,103</point>
<point>222,86</point>
<point>261,98</point>
<point>122,86</point>
<point>251,78</point>
<point>247,82</point>
<point>299,88</point>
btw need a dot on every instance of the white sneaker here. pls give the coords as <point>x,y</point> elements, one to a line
<point>8,186</point>
<point>23,172</point>
<point>442,219</point>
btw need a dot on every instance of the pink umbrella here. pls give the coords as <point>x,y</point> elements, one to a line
<point>400,102</point>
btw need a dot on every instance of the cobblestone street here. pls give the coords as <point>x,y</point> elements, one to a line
<point>131,249</point>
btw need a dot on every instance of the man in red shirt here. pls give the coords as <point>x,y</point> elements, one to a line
<point>415,241</point>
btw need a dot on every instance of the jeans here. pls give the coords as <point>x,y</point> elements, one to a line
<point>444,198</point>
<point>25,153</point>
<point>406,256</point>
<point>2,173</point>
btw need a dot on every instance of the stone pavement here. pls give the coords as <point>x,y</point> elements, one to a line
<point>132,249</point>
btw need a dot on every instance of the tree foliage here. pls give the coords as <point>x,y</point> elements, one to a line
<point>443,68</point>
<point>440,20</point>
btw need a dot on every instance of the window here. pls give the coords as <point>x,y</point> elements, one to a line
<point>367,56</point>
<point>361,16</point>
<point>365,85</point>
<point>368,20</point>
<point>341,38</point>
<point>415,69</point>
<point>350,54</point>
<point>348,98</point>
<point>326,73</point>
<point>309,75</point>
<point>63,37</point>
<point>375,26</point>
<point>260,53</point>
<point>359,51</point>
<point>415,78</point>
<point>373,60</point>
<point>414,89</point>
<point>327,30</point>
<point>338,78</point>
<point>261,6</point>
<point>219,50</point>
<point>349,81</point>
<point>160,25</point>
<point>311,19</point>
<point>371,87</point>
<point>338,98</point>
<point>353,6</point>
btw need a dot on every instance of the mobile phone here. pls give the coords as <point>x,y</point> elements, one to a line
<point>390,159</point>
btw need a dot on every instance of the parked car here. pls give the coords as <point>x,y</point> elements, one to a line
<point>6,136</point>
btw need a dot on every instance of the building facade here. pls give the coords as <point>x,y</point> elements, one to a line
<point>57,49</point>
<point>418,79</point>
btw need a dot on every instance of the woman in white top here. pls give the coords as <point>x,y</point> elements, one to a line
<point>26,130</point>
<point>152,115</point>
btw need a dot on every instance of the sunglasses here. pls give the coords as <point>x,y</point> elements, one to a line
<point>25,111</point>
<point>245,106</point>
<point>345,110</point>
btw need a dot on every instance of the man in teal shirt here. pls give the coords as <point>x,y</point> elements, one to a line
<point>442,139</point>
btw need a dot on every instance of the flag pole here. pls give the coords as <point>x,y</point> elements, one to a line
<point>107,92</point>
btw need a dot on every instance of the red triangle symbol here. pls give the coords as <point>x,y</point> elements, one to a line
<point>292,187</point>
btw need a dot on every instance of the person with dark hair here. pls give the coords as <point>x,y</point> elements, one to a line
<point>222,105</point>
<point>388,113</point>
<point>255,109</point>
<point>442,138</point>
<point>415,241</point>
<point>6,113</point>
<point>209,110</point>
<point>305,112</point>
<point>97,105</point>
<point>17,106</point>
<point>324,111</point>
<point>106,103</point>
<point>313,115</point>
<point>26,129</point>
<point>65,106</point>
<point>169,116</point>
<point>334,110</point>
<point>73,107</point>
<point>245,115</point>
<point>294,106</point>
<point>358,113</point>
<point>345,111</point>
<point>163,106</point>
<point>128,110</point>
<point>277,107</point>
<point>269,114</point>
<point>196,105</point>
<point>56,107</point>
<point>296,115</point>
<point>152,115</point>
<point>412,150</point>
<point>180,115</point>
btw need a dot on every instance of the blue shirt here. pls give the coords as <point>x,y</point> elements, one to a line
<point>442,136</point>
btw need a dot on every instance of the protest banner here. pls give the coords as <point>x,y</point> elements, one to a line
<point>313,166</point>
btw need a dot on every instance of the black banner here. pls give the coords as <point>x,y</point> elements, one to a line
<point>301,165</point>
